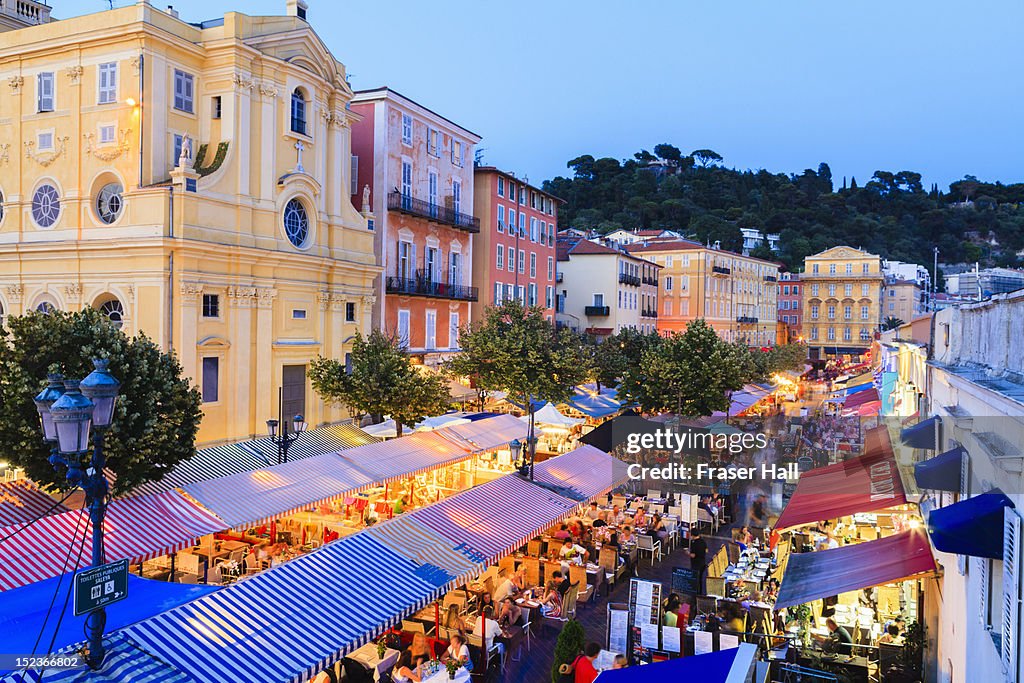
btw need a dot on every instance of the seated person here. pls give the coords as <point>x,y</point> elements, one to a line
<point>487,600</point>
<point>732,618</point>
<point>593,513</point>
<point>491,629</point>
<point>519,582</point>
<point>562,533</point>
<point>505,585</point>
<point>620,662</point>
<point>453,619</point>
<point>602,520</point>
<point>640,518</point>
<point>839,639</point>
<point>561,583</point>
<point>659,528</point>
<point>626,536</point>
<point>616,517</point>
<point>509,614</point>
<point>891,636</point>
<point>551,603</point>
<point>420,647</point>
<point>459,651</point>
<point>571,550</point>
<point>408,668</point>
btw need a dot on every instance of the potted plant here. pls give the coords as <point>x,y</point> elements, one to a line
<point>569,645</point>
<point>802,615</point>
<point>382,647</point>
<point>452,665</point>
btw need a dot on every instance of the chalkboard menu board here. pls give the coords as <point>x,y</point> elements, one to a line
<point>644,618</point>
<point>684,580</point>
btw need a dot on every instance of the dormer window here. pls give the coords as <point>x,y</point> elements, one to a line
<point>298,112</point>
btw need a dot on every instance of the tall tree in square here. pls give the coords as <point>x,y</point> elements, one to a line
<point>380,380</point>
<point>512,348</point>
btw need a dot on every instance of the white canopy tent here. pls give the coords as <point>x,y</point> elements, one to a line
<point>550,415</point>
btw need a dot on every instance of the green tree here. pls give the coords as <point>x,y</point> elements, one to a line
<point>788,357</point>
<point>512,348</point>
<point>691,373</point>
<point>618,355</point>
<point>382,381</point>
<point>706,157</point>
<point>158,411</point>
<point>567,648</point>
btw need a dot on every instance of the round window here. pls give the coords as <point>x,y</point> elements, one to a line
<point>296,223</point>
<point>1,206</point>
<point>46,205</point>
<point>114,311</point>
<point>109,202</point>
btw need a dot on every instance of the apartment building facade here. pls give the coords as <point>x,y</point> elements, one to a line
<point>414,179</point>
<point>514,253</point>
<point>842,289</point>
<point>791,306</point>
<point>604,289</point>
<point>902,299</point>
<point>186,180</point>
<point>735,294</point>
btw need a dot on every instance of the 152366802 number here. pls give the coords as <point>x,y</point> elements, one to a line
<point>70,660</point>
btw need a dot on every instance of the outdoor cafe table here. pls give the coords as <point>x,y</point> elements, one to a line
<point>367,656</point>
<point>441,676</point>
<point>747,570</point>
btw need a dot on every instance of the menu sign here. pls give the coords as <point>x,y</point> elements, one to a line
<point>617,635</point>
<point>644,617</point>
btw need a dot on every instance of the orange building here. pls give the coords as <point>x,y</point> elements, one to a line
<point>514,254</point>
<point>413,173</point>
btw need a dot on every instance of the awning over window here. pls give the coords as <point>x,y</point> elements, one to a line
<point>860,397</point>
<point>251,498</point>
<point>859,388</point>
<point>136,528</point>
<point>925,434</point>
<point>810,576</point>
<point>863,484</point>
<point>971,527</point>
<point>288,623</point>
<point>22,501</point>
<point>24,611</point>
<point>943,472</point>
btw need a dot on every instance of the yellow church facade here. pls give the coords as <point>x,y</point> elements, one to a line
<point>191,181</point>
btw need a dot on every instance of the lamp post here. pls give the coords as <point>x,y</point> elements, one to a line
<point>71,411</point>
<point>279,430</point>
<point>520,458</point>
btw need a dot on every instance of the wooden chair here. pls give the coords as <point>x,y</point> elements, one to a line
<point>578,577</point>
<point>568,610</point>
<point>532,565</point>
<point>508,563</point>
<point>751,586</point>
<point>732,552</point>
<point>187,565</point>
<point>715,586</point>
<point>647,544</point>
<point>252,564</point>
<point>416,627</point>
<point>620,501</point>
<point>534,547</point>
<point>457,598</point>
<point>608,558</point>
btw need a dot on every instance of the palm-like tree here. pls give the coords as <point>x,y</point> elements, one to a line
<point>891,323</point>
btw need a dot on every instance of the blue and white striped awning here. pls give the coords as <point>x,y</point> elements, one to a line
<point>246,456</point>
<point>290,622</point>
<point>125,661</point>
<point>250,498</point>
<point>585,472</point>
<point>439,562</point>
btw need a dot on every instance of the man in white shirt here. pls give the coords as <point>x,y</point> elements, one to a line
<point>504,588</point>
<point>570,549</point>
<point>593,513</point>
<point>491,629</point>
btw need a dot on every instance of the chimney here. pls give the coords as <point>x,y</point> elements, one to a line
<point>296,8</point>
<point>173,12</point>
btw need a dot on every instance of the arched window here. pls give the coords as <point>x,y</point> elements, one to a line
<point>46,308</point>
<point>113,311</point>
<point>298,112</point>
<point>109,202</point>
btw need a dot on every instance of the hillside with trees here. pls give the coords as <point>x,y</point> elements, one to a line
<point>891,214</point>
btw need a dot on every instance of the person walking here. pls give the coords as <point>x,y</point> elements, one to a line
<point>698,556</point>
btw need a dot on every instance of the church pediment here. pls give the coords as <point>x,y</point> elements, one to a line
<point>303,49</point>
<point>841,253</point>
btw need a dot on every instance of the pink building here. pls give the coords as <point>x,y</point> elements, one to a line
<point>514,254</point>
<point>414,174</point>
<point>791,304</point>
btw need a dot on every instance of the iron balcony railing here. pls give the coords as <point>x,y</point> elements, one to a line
<point>435,212</point>
<point>770,278</point>
<point>424,286</point>
<point>649,314</point>
<point>746,319</point>
<point>650,281</point>
<point>633,280</point>
<point>596,311</point>
<point>720,270</point>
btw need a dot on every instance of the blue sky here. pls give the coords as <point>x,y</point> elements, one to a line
<point>926,86</point>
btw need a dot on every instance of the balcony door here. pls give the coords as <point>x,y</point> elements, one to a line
<point>406,258</point>
<point>293,390</point>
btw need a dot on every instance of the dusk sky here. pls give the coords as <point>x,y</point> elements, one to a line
<point>929,86</point>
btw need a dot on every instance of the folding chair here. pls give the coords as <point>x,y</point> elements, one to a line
<point>647,544</point>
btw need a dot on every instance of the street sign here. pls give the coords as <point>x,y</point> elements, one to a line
<point>100,586</point>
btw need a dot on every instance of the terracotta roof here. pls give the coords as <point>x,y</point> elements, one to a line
<point>672,244</point>
<point>570,245</point>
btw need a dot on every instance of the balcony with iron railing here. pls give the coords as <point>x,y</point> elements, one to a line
<point>721,270</point>
<point>770,278</point>
<point>597,311</point>
<point>425,285</point>
<point>746,320</point>
<point>653,281</point>
<point>649,313</point>
<point>411,206</point>
<point>632,280</point>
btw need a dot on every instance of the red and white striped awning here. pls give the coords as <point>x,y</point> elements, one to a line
<point>404,457</point>
<point>487,434</point>
<point>136,528</point>
<point>493,519</point>
<point>22,501</point>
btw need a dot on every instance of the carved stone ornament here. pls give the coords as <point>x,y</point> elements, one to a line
<point>268,89</point>
<point>369,300</point>
<point>130,291</point>
<point>5,152</point>
<point>15,82</point>
<point>241,297</point>
<point>242,82</point>
<point>190,291</point>
<point>60,143</point>
<point>73,292</point>
<point>322,300</point>
<point>135,63</point>
<point>75,74</point>
<point>265,297</point>
<point>14,293</point>
<point>108,153</point>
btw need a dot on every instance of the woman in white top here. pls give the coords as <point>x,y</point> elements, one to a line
<point>457,649</point>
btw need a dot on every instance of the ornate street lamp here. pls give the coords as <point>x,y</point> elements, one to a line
<point>69,416</point>
<point>281,432</point>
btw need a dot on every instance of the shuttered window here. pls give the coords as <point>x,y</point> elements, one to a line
<point>44,91</point>
<point>1010,627</point>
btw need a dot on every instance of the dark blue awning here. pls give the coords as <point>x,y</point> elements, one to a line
<point>941,473</point>
<point>923,434</point>
<point>971,527</point>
